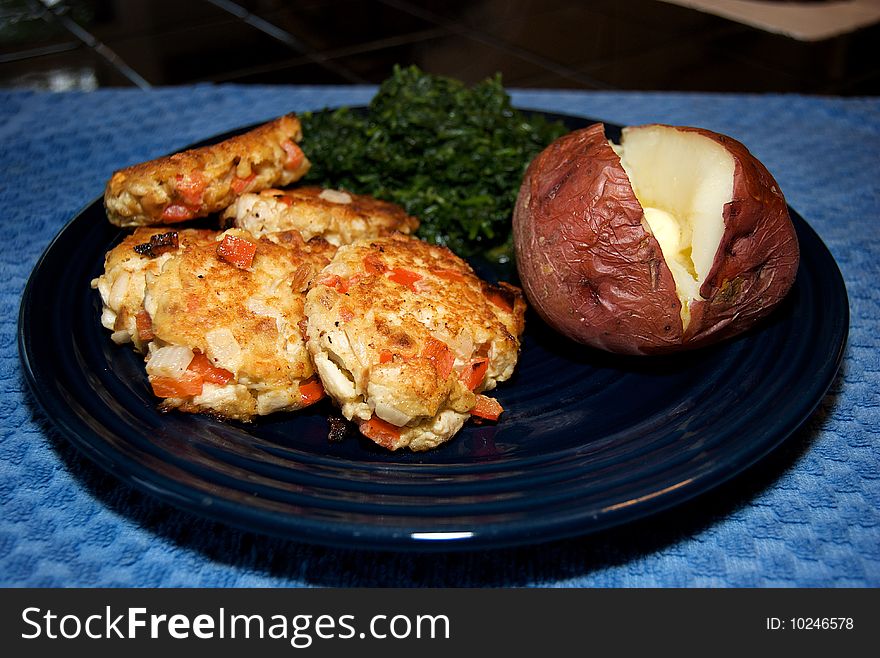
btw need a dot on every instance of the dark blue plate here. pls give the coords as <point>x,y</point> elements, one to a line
<point>588,440</point>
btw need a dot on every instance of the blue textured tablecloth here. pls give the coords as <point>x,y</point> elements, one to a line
<point>807,515</point>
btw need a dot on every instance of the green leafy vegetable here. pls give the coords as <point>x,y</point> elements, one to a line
<point>452,156</point>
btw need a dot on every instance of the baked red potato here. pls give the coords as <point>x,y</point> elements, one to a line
<point>675,239</point>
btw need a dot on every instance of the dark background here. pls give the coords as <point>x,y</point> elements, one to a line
<point>601,44</point>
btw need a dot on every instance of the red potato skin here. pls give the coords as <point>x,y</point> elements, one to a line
<point>587,264</point>
<point>596,274</point>
<point>757,260</point>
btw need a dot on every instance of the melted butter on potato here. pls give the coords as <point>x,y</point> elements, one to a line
<point>682,180</point>
<point>667,229</point>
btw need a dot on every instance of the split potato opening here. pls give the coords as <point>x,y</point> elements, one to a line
<point>682,180</point>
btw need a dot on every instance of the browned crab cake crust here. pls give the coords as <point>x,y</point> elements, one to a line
<point>405,332</point>
<point>122,284</point>
<point>198,182</point>
<point>246,321</point>
<point>338,217</point>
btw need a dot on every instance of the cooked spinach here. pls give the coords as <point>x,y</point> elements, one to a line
<point>453,156</point>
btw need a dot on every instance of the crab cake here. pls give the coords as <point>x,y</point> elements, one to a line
<point>338,217</point>
<point>205,180</point>
<point>122,285</point>
<point>406,338</point>
<point>226,323</point>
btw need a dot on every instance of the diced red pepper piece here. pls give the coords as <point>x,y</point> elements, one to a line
<point>278,195</point>
<point>335,281</point>
<point>177,213</point>
<point>144,324</point>
<point>190,383</point>
<point>474,373</point>
<point>448,275</point>
<point>380,431</point>
<point>190,188</point>
<point>374,265</point>
<point>295,156</point>
<point>210,373</point>
<point>240,185</point>
<point>500,300</point>
<point>486,407</point>
<point>386,356</point>
<point>237,251</point>
<point>310,391</point>
<point>404,277</point>
<point>441,355</point>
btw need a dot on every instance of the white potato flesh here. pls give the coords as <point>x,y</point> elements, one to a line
<point>682,180</point>
<point>668,232</point>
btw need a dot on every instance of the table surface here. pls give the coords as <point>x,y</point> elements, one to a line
<point>808,515</point>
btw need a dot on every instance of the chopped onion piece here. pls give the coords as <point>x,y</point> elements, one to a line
<point>118,291</point>
<point>335,196</point>
<point>223,350</point>
<point>171,361</point>
<point>108,318</point>
<point>392,414</point>
<point>120,337</point>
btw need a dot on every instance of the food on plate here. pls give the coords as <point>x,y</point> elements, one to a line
<point>220,320</point>
<point>206,180</point>
<point>677,238</point>
<point>452,156</point>
<point>406,339</point>
<point>123,283</point>
<point>339,217</point>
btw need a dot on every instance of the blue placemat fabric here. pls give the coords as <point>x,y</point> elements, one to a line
<point>807,515</point>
